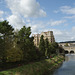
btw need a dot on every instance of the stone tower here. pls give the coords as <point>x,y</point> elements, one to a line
<point>48,35</point>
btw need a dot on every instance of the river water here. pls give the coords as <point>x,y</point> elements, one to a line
<point>68,66</point>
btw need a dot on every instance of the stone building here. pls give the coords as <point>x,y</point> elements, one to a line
<point>48,35</point>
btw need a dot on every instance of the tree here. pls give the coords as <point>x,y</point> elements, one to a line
<point>66,44</point>
<point>61,50</point>
<point>6,32</point>
<point>42,45</point>
<point>5,28</point>
<point>56,46</point>
<point>1,47</point>
<point>51,49</point>
<point>14,54</point>
<point>46,47</point>
<point>26,42</point>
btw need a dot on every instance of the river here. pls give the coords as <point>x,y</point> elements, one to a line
<point>68,66</point>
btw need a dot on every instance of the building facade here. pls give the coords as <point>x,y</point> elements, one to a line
<point>48,35</point>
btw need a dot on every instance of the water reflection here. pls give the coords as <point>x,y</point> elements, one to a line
<point>70,57</point>
<point>68,66</point>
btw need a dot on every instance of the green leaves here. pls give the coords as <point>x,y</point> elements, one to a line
<point>42,45</point>
<point>14,54</point>
<point>26,42</point>
<point>47,48</point>
<point>5,28</point>
<point>6,31</point>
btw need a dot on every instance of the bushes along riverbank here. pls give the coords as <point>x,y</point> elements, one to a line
<point>37,68</point>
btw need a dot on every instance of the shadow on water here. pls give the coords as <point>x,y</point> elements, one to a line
<point>68,66</point>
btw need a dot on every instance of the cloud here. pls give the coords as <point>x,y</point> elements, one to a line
<point>70,17</point>
<point>28,20</point>
<point>63,35</point>
<point>26,8</point>
<point>55,23</point>
<point>16,21</point>
<point>36,27</point>
<point>68,10</point>
<point>56,11</point>
<point>73,29</point>
<point>1,19</point>
<point>1,13</point>
<point>60,35</point>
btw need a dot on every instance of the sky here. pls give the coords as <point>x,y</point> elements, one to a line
<point>41,15</point>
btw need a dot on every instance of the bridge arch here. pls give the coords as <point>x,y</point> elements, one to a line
<point>66,51</point>
<point>72,51</point>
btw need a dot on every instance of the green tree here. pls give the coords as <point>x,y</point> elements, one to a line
<point>14,54</point>
<point>66,44</point>
<point>26,43</point>
<point>6,29</point>
<point>61,50</point>
<point>46,46</point>
<point>1,47</point>
<point>6,32</point>
<point>42,45</point>
<point>56,47</point>
<point>51,49</point>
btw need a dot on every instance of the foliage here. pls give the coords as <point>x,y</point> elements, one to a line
<point>51,49</point>
<point>42,45</point>
<point>55,48</point>
<point>44,67</point>
<point>26,43</point>
<point>6,32</point>
<point>14,54</point>
<point>5,28</point>
<point>66,44</point>
<point>1,47</point>
<point>18,45</point>
<point>61,50</point>
<point>46,47</point>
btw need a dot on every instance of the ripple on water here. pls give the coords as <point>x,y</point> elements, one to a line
<point>68,67</point>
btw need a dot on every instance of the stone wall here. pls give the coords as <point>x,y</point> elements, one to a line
<point>48,35</point>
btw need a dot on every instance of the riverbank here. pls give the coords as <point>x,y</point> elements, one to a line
<point>37,68</point>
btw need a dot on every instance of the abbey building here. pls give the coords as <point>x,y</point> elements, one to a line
<point>48,35</point>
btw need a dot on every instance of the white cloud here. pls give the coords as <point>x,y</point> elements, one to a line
<point>1,13</point>
<point>73,29</point>
<point>55,23</point>
<point>26,8</point>
<point>63,35</point>
<point>1,19</point>
<point>67,9</point>
<point>28,20</point>
<point>16,21</point>
<point>36,27</point>
<point>56,11</point>
<point>60,35</point>
<point>70,17</point>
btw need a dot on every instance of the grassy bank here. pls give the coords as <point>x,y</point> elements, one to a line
<point>37,68</point>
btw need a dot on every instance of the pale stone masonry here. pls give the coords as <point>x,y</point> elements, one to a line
<point>48,35</point>
<point>70,46</point>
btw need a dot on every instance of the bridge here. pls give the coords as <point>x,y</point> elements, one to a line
<point>69,47</point>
